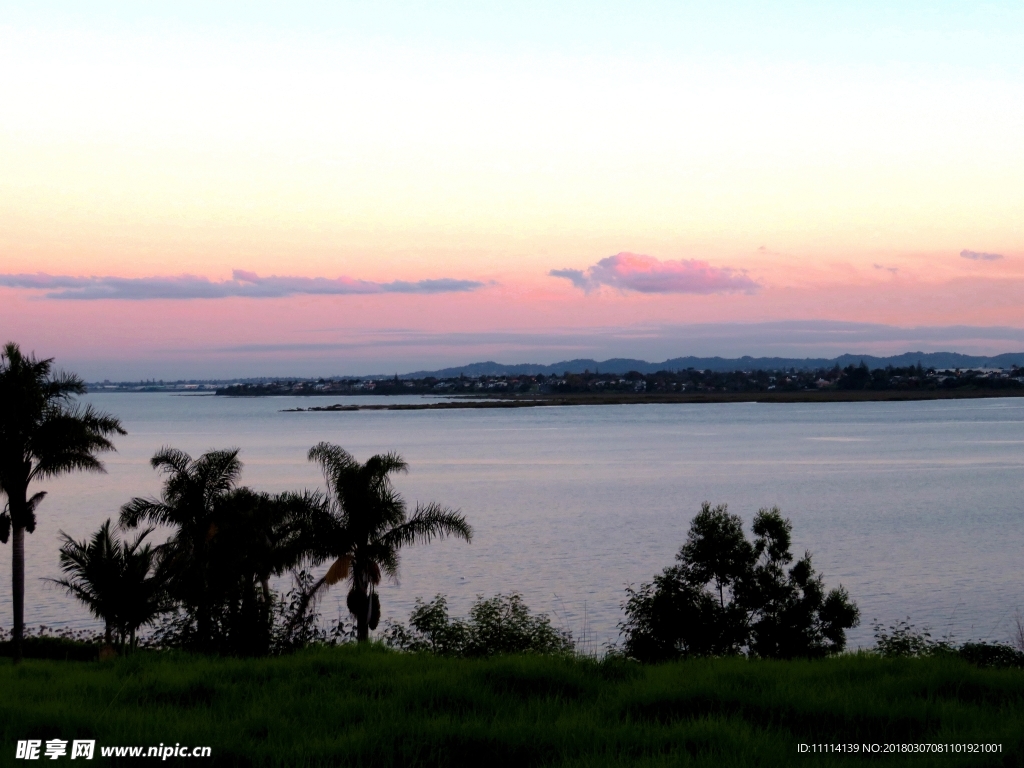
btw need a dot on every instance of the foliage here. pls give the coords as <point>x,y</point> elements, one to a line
<point>791,615</point>
<point>119,582</point>
<point>62,643</point>
<point>362,705</point>
<point>227,542</point>
<point>672,618</point>
<point>501,624</point>
<point>364,524</point>
<point>42,435</point>
<point>258,536</point>
<point>292,625</point>
<point>904,640</point>
<point>727,595</point>
<point>295,626</point>
<point>194,492</point>
<point>998,655</point>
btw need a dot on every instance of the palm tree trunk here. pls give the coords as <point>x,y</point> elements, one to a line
<point>18,586</point>
<point>203,625</point>
<point>362,627</point>
<point>266,608</point>
<point>203,609</point>
<point>363,616</point>
<point>361,587</point>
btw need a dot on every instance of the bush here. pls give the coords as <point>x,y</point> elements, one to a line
<point>498,625</point>
<point>59,644</point>
<point>995,655</point>
<point>904,640</point>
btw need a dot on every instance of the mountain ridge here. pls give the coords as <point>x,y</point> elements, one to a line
<point>940,360</point>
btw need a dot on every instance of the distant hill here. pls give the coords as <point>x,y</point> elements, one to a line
<point>723,364</point>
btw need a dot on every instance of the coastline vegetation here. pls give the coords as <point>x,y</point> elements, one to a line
<point>839,382</point>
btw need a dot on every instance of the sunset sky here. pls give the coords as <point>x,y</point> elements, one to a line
<point>234,189</point>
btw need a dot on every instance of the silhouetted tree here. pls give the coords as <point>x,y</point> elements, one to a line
<point>119,582</point>
<point>855,377</point>
<point>791,615</point>
<point>42,435</point>
<point>193,491</point>
<point>259,535</point>
<point>677,615</point>
<point>364,524</point>
<point>726,596</point>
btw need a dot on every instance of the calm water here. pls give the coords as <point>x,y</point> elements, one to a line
<point>916,508</point>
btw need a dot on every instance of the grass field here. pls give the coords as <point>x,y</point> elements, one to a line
<point>352,706</point>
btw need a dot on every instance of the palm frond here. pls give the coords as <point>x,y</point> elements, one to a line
<point>334,462</point>
<point>63,385</point>
<point>171,461</point>
<point>218,471</point>
<point>140,510</point>
<point>428,522</point>
<point>68,439</point>
<point>384,464</point>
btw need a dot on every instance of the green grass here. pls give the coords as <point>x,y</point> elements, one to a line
<point>352,706</point>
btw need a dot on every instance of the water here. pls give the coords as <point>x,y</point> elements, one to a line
<point>916,508</point>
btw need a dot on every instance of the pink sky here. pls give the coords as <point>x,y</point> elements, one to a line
<point>539,319</point>
<point>206,201</point>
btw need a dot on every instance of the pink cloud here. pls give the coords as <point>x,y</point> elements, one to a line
<point>646,274</point>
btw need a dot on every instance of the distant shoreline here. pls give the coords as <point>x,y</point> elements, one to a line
<point>537,401</point>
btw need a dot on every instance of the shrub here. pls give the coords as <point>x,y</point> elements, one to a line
<point>497,625</point>
<point>991,655</point>
<point>904,640</point>
<point>60,644</point>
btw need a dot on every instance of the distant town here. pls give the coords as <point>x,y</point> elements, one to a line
<point>689,381</point>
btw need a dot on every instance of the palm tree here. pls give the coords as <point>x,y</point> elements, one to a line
<point>42,435</point>
<point>363,525</point>
<point>193,493</point>
<point>118,581</point>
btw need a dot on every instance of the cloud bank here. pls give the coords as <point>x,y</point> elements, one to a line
<point>980,256</point>
<point>646,274</point>
<point>242,283</point>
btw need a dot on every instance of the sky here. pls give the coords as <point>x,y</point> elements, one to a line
<point>207,190</point>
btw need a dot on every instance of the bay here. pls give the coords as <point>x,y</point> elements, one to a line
<point>914,507</point>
